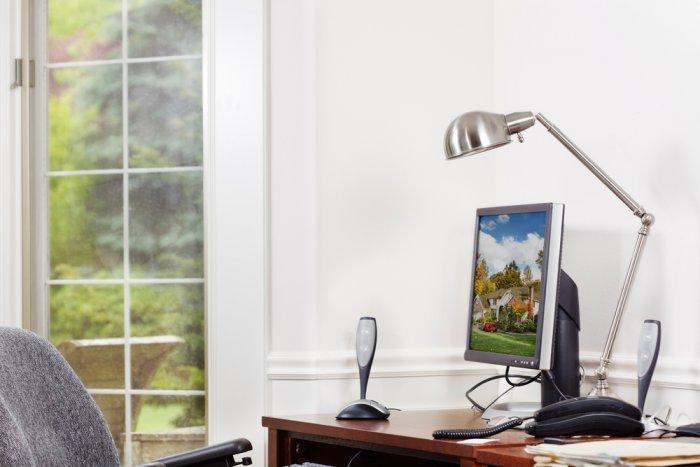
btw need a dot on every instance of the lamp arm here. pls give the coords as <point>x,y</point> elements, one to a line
<point>647,219</point>
<point>634,206</point>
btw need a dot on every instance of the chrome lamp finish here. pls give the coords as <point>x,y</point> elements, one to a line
<point>475,132</point>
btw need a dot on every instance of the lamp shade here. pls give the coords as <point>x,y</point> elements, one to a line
<point>475,132</point>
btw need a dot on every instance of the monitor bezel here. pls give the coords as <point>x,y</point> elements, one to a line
<point>521,361</point>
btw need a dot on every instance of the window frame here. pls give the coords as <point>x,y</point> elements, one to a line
<point>41,175</point>
<point>236,193</point>
<point>12,101</point>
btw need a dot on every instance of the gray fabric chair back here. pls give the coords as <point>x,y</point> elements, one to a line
<point>47,418</point>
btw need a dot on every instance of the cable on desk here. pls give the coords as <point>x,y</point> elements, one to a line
<point>478,432</point>
<point>525,381</point>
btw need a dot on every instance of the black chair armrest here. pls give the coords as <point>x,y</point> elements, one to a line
<point>217,455</point>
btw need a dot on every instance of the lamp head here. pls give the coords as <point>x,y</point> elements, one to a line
<point>475,132</point>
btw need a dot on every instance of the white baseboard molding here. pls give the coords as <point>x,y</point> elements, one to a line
<point>674,373</point>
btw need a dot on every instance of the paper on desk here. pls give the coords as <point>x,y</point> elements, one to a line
<point>669,462</point>
<point>649,453</point>
<point>478,441</point>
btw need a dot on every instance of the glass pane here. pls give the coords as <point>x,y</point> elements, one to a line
<point>165,27</point>
<point>85,226</point>
<point>165,114</point>
<point>84,30</point>
<point>165,425</point>
<point>86,312</point>
<point>85,319</point>
<point>85,118</point>
<point>113,409</point>
<point>172,316</point>
<point>166,232</point>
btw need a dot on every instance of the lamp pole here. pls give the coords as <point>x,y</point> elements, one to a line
<point>602,387</point>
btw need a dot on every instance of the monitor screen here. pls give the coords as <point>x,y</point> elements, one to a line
<point>508,285</point>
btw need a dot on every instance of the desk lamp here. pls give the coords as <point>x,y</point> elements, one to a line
<point>476,132</point>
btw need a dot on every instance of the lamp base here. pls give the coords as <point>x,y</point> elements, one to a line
<point>602,389</point>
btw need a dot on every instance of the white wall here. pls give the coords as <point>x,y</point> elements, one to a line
<point>368,218</point>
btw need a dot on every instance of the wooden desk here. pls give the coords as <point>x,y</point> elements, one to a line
<point>404,439</point>
<point>504,456</point>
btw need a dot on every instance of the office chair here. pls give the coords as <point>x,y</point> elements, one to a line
<point>48,418</point>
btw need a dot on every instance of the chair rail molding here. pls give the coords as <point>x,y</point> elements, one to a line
<point>672,373</point>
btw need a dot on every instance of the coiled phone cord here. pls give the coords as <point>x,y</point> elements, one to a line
<point>478,432</point>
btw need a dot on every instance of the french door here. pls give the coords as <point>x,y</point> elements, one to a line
<point>118,211</point>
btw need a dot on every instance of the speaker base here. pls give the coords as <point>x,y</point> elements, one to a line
<point>363,409</point>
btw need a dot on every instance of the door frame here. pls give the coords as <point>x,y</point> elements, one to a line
<point>12,100</point>
<point>237,221</point>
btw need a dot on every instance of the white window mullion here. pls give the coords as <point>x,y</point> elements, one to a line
<point>40,318</point>
<point>147,392</point>
<point>117,281</point>
<point>133,170</point>
<point>127,265</point>
<point>119,61</point>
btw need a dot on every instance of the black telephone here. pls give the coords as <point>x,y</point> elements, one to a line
<point>602,416</point>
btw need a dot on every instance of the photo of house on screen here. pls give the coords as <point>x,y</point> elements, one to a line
<point>507,283</point>
<point>517,298</point>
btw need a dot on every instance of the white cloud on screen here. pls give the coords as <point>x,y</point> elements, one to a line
<point>498,254</point>
<point>488,225</point>
<point>503,219</point>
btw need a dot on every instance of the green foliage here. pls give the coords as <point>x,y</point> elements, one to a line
<point>508,277</point>
<point>482,284</point>
<point>529,325</point>
<point>174,138</point>
<point>173,309</point>
<point>506,319</point>
<point>511,320</point>
<point>537,286</point>
<point>79,29</point>
<point>165,27</point>
<point>86,312</point>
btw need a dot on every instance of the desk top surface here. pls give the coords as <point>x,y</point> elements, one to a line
<point>406,429</point>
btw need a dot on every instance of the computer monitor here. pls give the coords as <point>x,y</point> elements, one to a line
<point>514,281</point>
<point>523,310</point>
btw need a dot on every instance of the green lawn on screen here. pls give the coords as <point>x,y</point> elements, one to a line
<point>503,342</point>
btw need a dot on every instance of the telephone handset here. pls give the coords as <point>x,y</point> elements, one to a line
<point>602,416</point>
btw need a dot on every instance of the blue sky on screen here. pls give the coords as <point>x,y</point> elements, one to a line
<point>517,237</point>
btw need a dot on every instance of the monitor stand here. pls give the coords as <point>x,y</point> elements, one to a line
<point>565,359</point>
